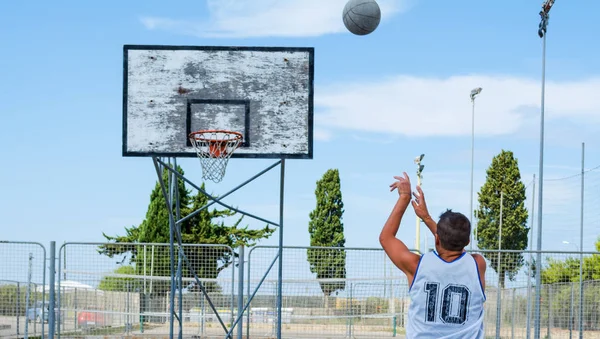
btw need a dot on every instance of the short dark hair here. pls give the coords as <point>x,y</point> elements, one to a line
<point>453,230</point>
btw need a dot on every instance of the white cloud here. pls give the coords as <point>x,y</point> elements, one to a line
<point>259,18</point>
<point>416,106</point>
<point>321,134</point>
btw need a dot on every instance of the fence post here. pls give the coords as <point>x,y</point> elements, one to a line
<point>500,274</point>
<point>27,296</point>
<point>581,242</point>
<point>203,306</point>
<point>571,315</point>
<point>549,335</point>
<point>351,311</point>
<point>35,303</point>
<point>240,303</point>
<point>18,306</point>
<point>249,309</point>
<point>512,331</point>
<point>75,308</point>
<point>52,272</point>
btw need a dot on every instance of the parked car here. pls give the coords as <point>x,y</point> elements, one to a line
<point>35,313</point>
<point>90,318</point>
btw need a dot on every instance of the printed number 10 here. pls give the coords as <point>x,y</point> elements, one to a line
<point>455,303</point>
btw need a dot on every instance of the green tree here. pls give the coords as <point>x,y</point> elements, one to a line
<point>560,286</point>
<point>327,230</point>
<point>563,271</point>
<point>207,262</point>
<point>504,176</point>
<point>120,284</point>
<point>13,294</point>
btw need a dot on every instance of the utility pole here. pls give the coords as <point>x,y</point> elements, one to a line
<point>419,178</point>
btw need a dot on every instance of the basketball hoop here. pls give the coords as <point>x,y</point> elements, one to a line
<point>214,148</point>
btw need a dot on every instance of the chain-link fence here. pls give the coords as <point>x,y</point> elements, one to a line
<point>562,310</point>
<point>120,289</point>
<point>358,293</point>
<point>22,292</point>
<point>126,288</point>
<point>327,292</point>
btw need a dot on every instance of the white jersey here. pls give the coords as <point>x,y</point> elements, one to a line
<point>446,299</point>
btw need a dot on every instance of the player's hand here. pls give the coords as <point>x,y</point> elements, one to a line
<point>402,184</point>
<point>419,204</point>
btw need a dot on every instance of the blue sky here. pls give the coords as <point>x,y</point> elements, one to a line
<point>380,100</point>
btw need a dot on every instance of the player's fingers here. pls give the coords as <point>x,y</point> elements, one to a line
<point>406,176</point>
<point>420,190</point>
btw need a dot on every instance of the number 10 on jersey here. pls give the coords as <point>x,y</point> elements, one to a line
<point>454,304</point>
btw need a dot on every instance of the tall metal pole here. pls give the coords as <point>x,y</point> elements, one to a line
<point>28,294</point>
<point>474,93</point>
<point>175,184</point>
<point>418,240</point>
<point>240,301</point>
<point>571,315</point>
<point>544,14</point>
<point>420,168</point>
<point>499,270</point>
<point>530,261</point>
<point>171,252</point>
<point>280,255</point>
<point>52,272</point>
<point>581,243</point>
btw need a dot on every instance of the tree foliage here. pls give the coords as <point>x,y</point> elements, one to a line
<point>560,286</point>
<point>565,271</point>
<point>119,283</point>
<point>14,294</point>
<point>504,176</point>
<point>327,230</point>
<point>205,227</point>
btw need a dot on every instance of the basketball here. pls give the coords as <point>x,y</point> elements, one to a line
<point>361,17</point>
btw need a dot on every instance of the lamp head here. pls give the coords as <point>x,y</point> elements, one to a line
<point>475,92</point>
<point>419,158</point>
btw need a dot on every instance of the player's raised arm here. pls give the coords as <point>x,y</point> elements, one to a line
<point>396,250</point>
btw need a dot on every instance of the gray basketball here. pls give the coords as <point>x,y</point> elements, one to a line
<point>361,17</point>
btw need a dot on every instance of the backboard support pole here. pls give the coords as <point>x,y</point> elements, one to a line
<point>175,221</point>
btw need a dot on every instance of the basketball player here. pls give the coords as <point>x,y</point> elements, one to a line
<point>446,286</point>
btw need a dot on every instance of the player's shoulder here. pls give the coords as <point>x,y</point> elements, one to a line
<point>480,260</point>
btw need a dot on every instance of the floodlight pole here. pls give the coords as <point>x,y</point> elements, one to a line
<point>499,270</point>
<point>528,321</point>
<point>581,242</point>
<point>544,14</point>
<point>419,178</point>
<point>474,93</point>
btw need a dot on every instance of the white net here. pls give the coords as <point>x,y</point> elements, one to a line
<point>214,148</point>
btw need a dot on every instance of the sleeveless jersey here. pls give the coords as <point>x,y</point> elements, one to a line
<point>446,299</point>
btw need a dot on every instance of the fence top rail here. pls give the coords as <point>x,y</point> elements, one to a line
<point>534,252</point>
<point>136,244</point>
<point>23,243</point>
<point>3,281</point>
<point>327,248</point>
<point>413,250</point>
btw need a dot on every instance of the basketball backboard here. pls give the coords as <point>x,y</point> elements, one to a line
<point>265,93</point>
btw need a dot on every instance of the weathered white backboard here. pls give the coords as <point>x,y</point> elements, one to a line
<point>265,93</point>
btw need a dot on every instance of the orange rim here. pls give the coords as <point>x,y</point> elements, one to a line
<point>232,135</point>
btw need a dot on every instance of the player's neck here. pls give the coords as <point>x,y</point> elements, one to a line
<point>448,255</point>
